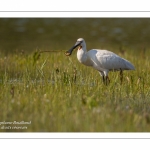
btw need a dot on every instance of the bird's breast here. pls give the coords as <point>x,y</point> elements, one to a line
<point>83,58</point>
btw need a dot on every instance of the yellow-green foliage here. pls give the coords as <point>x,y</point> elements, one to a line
<point>58,94</point>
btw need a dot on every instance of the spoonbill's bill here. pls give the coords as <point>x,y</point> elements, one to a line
<point>101,60</point>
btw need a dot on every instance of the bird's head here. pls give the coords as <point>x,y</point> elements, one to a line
<point>80,43</point>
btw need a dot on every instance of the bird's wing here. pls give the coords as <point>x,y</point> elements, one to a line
<point>111,61</point>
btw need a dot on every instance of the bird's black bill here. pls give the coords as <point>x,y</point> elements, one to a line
<point>69,52</point>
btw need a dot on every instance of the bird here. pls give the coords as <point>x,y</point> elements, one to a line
<point>101,60</point>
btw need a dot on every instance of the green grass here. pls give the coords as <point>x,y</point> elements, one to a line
<point>58,94</point>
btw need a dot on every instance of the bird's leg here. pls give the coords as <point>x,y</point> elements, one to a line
<point>107,80</point>
<point>103,77</point>
<point>121,76</point>
<point>105,73</point>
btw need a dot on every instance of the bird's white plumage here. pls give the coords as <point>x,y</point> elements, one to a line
<point>102,60</point>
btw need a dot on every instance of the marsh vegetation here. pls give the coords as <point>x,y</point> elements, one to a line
<point>57,93</point>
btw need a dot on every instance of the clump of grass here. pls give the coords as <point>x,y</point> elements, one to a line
<point>58,94</point>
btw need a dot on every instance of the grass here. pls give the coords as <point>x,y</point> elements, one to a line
<point>58,94</point>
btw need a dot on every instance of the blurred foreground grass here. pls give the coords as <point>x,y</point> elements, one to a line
<point>58,94</point>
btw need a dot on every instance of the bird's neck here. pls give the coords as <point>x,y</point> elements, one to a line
<point>82,54</point>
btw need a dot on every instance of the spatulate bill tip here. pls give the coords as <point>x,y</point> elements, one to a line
<point>67,53</point>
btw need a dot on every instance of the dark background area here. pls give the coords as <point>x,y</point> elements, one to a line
<point>28,34</point>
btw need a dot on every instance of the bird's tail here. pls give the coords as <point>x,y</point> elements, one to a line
<point>129,66</point>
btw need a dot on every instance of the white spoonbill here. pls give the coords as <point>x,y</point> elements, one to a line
<point>101,60</point>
